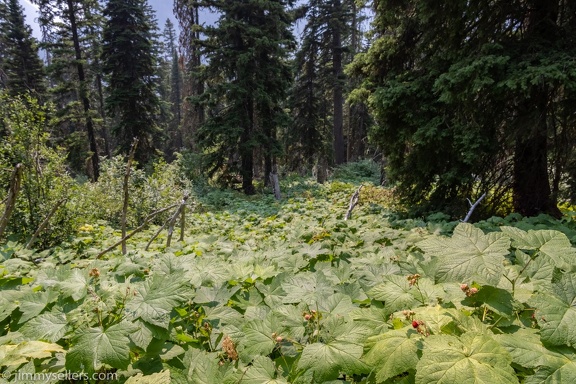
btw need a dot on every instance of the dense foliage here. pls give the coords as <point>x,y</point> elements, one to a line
<point>128,60</point>
<point>21,67</point>
<point>472,98</point>
<point>289,292</point>
<point>247,79</point>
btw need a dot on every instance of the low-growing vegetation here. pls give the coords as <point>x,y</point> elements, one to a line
<point>262,291</point>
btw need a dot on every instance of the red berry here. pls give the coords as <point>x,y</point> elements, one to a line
<point>415,324</point>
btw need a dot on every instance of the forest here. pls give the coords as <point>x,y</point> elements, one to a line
<point>282,191</point>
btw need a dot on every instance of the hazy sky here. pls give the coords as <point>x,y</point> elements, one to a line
<point>163,10</point>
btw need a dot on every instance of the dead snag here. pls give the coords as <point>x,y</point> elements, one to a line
<point>353,201</point>
<point>14,189</point>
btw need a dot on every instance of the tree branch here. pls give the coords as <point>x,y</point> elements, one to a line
<point>353,201</point>
<point>473,207</point>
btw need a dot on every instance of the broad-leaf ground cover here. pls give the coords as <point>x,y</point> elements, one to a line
<point>262,291</point>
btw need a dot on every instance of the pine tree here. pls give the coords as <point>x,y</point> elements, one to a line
<point>21,69</point>
<point>191,67</point>
<point>174,98</point>
<point>472,97</point>
<point>66,24</point>
<point>130,64</point>
<point>317,99</point>
<point>248,79</point>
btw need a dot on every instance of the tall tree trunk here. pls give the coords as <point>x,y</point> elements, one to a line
<point>532,193</point>
<point>84,93</point>
<point>102,111</point>
<point>338,128</point>
<point>247,152</point>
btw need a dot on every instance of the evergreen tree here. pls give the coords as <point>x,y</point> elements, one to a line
<point>67,26</point>
<point>174,89</point>
<point>329,38</point>
<point>21,69</point>
<point>248,78</point>
<point>191,68</point>
<point>129,61</point>
<point>473,97</point>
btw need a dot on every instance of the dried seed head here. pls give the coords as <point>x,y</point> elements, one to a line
<point>229,348</point>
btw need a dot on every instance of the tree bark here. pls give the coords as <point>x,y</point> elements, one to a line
<point>531,190</point>
<point>84,93</point>
<point>247,152</point>
<point>338,98</point>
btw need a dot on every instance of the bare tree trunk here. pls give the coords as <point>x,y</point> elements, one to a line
<point>532,194</point>
<point>338,98</point>
<point>125,192</point>
<point>13,191</point>
<point>84,92</point>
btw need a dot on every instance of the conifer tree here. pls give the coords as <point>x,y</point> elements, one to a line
<point>191,68</point>
<point>248,77</point>
<point>474,97</point>
<point>66,26</point>
<point>129,62</point>
<point>174,88</point>
<point>329,38</point>
<point>21,69</point>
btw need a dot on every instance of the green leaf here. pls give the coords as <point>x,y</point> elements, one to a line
<point>393,353</point>
<point>497,300</point>
<point>553,245</point>
<point>14,355</point>
<point>47,326</point>
<point>202,367</point>
<point>156,298</point>
<point>94,347</point>
<point>340,351</point>
<point>469,255</point>
<point>396,293</point>
<point>527,350</point>
<point>33,303</point>
<point>257,339</point>
<point>307,287</point>
<point>155,378</point>
<point>6,308</point>
<point>565,373</point>
<point>262,371</point>
<point>472,358</point>
<point>556,311</point>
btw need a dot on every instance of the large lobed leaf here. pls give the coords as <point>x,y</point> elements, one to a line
<point>156,297</point>
<point>93,347</point>
<point>556,310</point>
<point>472,358</point>
<point>469,255</point>
<point>393,353</point>
<point>552,245</point>
<point>339,351</point>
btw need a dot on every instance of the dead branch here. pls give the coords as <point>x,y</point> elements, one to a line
<point>14,189</point>
<point>169,222</point>
<point>275,185</point>
<point>141,227</point>
<point>353,202</point>
<point>45,222</point>
<point>473,207</point>
<point>125,191</point>
<point>182,223</point>
<point>174,217</point>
